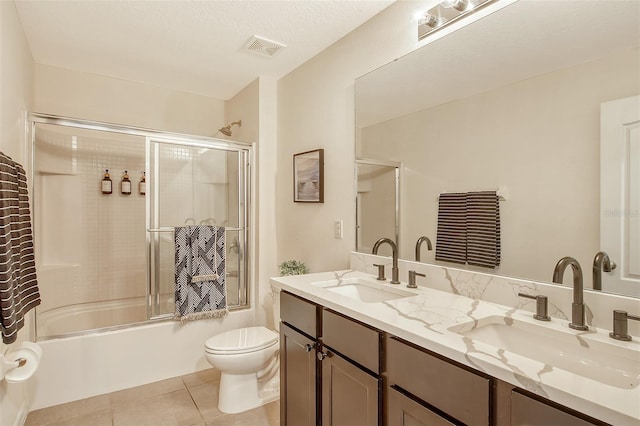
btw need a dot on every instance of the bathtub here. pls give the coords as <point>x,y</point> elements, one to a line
<point>87,317</point>
<point>87,364</point>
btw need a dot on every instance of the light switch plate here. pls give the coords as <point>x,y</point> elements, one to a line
<point>337,229</point>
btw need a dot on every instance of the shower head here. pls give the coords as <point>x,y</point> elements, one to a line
<point>226,130</point>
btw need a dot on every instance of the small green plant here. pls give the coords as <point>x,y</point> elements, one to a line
<point>293,267</point>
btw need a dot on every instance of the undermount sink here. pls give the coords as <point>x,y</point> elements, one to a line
<point>606,363</point>
<point>363,290</point>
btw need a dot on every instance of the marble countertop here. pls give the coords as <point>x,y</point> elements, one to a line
<point>430,318</point>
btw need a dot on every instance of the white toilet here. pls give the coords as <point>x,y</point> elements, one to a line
<point>249,363</point>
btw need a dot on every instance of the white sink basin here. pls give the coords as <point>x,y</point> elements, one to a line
<point>606,363</point>
<point>363,290</point>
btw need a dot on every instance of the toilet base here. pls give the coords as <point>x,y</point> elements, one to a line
<point>242,392</point>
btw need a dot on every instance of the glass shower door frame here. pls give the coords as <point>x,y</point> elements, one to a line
<point>154,229</point>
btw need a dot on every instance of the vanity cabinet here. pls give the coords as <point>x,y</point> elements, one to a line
<point>299,384</point>
<point>332,370</point>
<point>350,364</point>
<point>443,390</point>
<point>527,411</point>
<point>350,395</point>
<point>403,410</point>
<point>329,367</point>
<point>298,378</point>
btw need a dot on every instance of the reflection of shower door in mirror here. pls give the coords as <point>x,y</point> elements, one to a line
<point>195,185</point>
<point>377,203</point>
<point>620,194</point>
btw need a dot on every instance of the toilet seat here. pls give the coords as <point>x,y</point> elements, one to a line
<point>242,340</point>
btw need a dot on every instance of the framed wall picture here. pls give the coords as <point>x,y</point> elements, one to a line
<point>308,177</point>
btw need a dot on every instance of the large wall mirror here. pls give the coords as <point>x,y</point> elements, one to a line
<point>513,101</point>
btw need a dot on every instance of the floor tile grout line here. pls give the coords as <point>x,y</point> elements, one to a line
<point>194,401</point>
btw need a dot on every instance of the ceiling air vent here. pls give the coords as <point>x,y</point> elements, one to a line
<point>263,46</point>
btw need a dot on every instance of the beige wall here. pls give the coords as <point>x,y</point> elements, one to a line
<point>255,105</point>
<point>16,97</point>
<point>16,82</point>
<point>244,106</point>
<point>540,137</point>
<point>265,201</point>
<point>93,97</point>
<point>316,110</point>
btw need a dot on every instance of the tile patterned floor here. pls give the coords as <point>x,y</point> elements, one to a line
<point>180,401</point>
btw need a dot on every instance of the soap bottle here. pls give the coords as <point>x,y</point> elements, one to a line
<point>125,185</point>
<point>142,186</point>
<point>107,183</point>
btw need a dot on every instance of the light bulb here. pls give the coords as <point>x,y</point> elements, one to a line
<point>459,5</point>
<point>431,21</point>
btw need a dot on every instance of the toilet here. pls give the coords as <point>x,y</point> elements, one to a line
<point>249,363</point>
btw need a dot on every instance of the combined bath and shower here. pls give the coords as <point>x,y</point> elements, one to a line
<point>226,130</point>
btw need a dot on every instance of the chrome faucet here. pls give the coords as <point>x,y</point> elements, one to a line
<point>419,243</point>
<point>394,251</point>
<point>601,263</point>
<point>577,307</point>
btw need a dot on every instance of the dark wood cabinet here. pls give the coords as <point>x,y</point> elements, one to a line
<point>298,378</point>
<point>334,372</point>
<point>327,381</point>
<point>350,395</point>
<point>528,411</point>
<point>405,411</point>
<point>461,394</point>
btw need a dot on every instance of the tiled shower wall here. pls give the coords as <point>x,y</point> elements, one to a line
<point>89,246</point>
<point>203,184</point>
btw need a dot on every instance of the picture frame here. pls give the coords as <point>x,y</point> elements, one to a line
<point>308,177</point>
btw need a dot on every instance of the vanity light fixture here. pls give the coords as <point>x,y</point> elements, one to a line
<point>447,12</point>
<point>459,5</point>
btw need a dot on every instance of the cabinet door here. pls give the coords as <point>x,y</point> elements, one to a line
<point>461,394</point>
<point>527,411</point>
<point>297,378</point>
<point>350,396</point>
<point>403,411</point>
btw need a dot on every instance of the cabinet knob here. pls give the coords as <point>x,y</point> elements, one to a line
<point>322,355</point>
<point>309,347</point>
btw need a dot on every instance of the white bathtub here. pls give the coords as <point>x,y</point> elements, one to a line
<point>95,363</point>
<point>84,317</point>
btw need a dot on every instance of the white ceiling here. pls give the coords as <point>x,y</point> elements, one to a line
<point>191,46</point>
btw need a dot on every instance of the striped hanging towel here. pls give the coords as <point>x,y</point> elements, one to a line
<point>483,229</point>
<point>451,237</point>
<point>200,290</point>
<point>18,283</point>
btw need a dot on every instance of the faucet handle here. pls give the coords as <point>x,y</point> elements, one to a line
<point>412,279</point>
<point>620,330</point>
<point>381,276</point>
<point>541,306</point>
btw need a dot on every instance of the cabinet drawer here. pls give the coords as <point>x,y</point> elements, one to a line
<point>354,340</point>
<point>526,411</point>
<point>459,393</point>
<point>299,313</point>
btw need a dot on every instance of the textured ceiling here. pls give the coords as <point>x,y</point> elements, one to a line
<point>192,46</point>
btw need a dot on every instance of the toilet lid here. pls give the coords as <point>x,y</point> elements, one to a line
<point>242,340</point>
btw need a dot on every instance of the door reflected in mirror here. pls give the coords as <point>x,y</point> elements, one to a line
<point>377,203</point>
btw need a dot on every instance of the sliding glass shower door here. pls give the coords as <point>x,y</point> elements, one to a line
<point>200,184</point>
<point>106,260</point>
